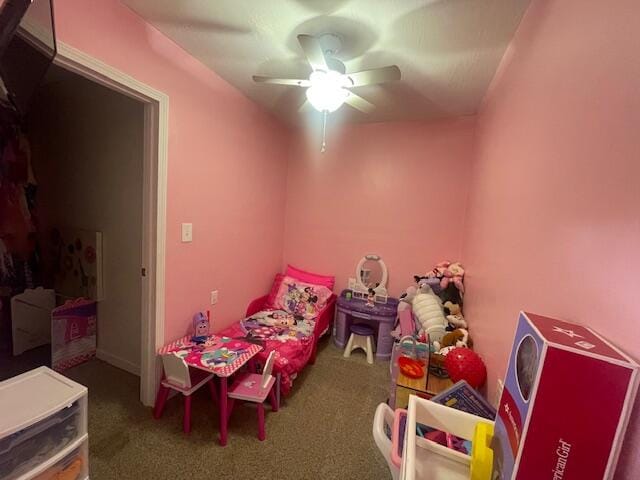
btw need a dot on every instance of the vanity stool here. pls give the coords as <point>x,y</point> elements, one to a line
<point>361,337</point>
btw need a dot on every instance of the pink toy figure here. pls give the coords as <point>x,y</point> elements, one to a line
<point>253,387</point>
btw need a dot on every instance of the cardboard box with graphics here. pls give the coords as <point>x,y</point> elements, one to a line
<point>565,404</point>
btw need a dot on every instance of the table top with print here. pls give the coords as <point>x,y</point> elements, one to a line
<point>222,356</point>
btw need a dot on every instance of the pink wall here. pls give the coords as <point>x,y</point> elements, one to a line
<point>553,224</point>
<point>395,189</point>
<point>227,164</point>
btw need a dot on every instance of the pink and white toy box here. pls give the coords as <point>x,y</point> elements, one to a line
<point>565,405</point>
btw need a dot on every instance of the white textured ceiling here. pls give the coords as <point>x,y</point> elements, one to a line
<point>448,50</point>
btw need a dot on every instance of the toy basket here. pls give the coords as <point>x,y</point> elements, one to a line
<point>423,459</point>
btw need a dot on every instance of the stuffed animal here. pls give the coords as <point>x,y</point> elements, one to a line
<point>428,310</point>
<point>454,316</point>
<point>458,338</point>
<point>454,273</point>
<point>450,294</point>
<point>439,270</point>
<point>452,340</point>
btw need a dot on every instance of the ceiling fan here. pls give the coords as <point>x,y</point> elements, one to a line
<point>329,86</point>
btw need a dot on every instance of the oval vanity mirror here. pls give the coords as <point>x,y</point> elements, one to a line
<point>372,273</point>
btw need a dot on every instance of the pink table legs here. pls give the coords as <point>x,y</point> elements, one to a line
<point>223,411</point>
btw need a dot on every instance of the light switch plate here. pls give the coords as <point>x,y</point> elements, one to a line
<point>214,297</point>
<point>187,232</point>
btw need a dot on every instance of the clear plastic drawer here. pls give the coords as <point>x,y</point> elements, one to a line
<point>73,466</point>
<point>24,450</point>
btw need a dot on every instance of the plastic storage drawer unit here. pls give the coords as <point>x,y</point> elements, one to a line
<point>48,424</point>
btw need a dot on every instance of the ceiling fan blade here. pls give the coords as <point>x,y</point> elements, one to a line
<point>376,75</point>
<point>313,51</point>
<point>359,103</point>
<point>296,82</point>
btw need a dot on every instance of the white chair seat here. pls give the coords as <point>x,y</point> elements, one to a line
<point>198,379</point>
<point>248,388</point>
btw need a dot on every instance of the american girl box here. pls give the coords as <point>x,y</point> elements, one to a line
<point>565,405</point>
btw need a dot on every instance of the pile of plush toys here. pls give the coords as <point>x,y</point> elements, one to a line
<point>436,305</point>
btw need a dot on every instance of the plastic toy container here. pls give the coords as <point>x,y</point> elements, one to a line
<point>48,422</point>
<point>423,459</point>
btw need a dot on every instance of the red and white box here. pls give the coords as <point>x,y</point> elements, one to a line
<point>565,405</point>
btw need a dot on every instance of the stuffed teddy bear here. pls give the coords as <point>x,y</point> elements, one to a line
<point>454,273</point>
<point>454,316</point>
<point>428,310</point>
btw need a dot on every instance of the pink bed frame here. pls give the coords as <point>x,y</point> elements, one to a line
<point>323,325</point>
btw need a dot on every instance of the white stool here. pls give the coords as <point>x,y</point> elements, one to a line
<point>361,336</point>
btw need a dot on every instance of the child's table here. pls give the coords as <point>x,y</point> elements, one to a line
<point>208,356</point>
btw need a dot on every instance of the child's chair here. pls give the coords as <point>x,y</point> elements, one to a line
<point>179,377</point>
<point>253,387</point>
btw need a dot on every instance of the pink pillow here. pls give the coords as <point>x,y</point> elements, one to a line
<point>300,298</point>
<point>313,278</point>
<point>271,299</point>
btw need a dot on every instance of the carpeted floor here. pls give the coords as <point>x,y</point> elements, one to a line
<point>322,431</point>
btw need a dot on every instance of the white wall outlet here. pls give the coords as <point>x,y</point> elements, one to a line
<point>214,297</point>
<point>187,232</point>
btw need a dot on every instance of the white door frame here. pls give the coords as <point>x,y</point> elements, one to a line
<point>154,204</point>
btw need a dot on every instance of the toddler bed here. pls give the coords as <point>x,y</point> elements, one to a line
<point>290,321</point>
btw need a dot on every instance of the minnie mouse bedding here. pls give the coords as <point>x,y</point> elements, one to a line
<point>290,325</point>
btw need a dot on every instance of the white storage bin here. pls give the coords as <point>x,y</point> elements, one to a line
<point>48,418</point>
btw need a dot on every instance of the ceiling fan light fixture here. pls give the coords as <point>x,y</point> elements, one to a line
<point>327,92</point>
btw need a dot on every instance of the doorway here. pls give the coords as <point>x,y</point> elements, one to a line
<point>151,213</point>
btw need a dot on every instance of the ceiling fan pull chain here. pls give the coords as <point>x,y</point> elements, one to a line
<point>324,131</point>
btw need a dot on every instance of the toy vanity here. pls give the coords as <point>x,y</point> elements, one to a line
<point>366,302</point>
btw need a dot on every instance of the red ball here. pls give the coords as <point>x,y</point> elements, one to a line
<point>465,364</point>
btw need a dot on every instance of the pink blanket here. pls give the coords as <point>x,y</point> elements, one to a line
<point>292,340</point>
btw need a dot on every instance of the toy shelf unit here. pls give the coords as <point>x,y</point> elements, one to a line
<point>45,435</point>
<point>401,386</point>
<point>380,316</point>
<point>423,459</point>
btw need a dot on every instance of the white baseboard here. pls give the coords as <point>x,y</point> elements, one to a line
<point>119,362</point>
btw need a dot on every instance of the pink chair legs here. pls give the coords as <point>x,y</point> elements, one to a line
<point>261,432</point>
<point>224,417</point>
<point>273,400</point>
<point>161,399</point>
<point>214,392</point>
<point>186,423</point>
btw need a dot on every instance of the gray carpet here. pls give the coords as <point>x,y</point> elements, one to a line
<point>322,431</point>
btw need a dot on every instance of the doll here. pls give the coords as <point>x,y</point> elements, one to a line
<point>371,297</point>
<point>200,327</point>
